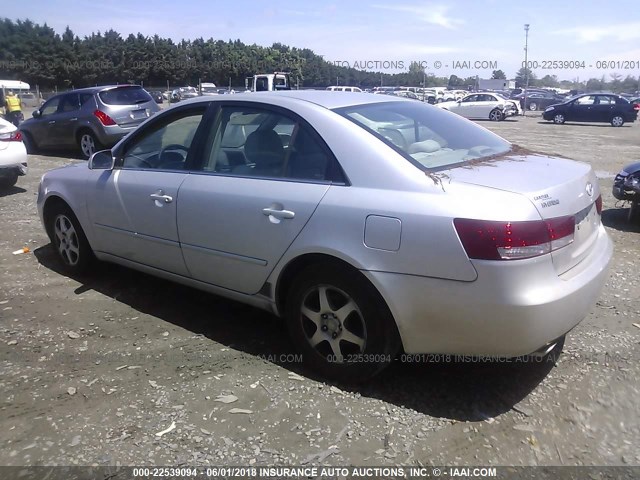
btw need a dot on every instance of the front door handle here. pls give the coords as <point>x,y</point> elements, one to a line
<point>161,197</point>
<point>280,214</point>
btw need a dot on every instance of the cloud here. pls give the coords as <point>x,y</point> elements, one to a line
<point>588,34</point>
<point>431,14</point>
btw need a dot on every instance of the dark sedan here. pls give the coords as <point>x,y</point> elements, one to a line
<point>538,100</point>
<point>593,107</point>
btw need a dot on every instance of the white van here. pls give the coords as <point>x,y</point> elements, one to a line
<point>344,89</point>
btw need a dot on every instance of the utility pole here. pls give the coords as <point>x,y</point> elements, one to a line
<point>526,66</point>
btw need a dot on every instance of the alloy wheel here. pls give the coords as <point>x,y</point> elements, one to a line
<point>87,144</point>
<point>332,323</point>
<point>66,239</point>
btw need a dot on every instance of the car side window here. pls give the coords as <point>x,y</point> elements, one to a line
<point>166,146</point>
<point>50,107</point>
<point>606,100</point>
<point>69,103</point>
<point>588,100</point>
<point>470,98</point>
<point>260,143</point>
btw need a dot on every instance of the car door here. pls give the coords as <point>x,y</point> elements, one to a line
<point>466,106</point>
<point>236,220</point>
<point>581,109</point>
<point>40,125</point>
<point>62,124</point>
<point>603,108</point>
<point>133,206</point>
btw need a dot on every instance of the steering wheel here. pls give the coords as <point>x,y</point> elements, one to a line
<point>173,146</point>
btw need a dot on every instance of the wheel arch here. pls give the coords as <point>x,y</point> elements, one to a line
<point>50,204</point>
<point>298,264</point>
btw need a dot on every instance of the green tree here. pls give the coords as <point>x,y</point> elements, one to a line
<point>498,75</point>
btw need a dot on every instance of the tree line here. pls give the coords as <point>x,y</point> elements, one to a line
<point>39,56</point>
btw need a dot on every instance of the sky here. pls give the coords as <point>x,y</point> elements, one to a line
<point>460,37</point>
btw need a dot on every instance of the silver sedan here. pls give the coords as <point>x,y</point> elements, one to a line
<point>370,223</point>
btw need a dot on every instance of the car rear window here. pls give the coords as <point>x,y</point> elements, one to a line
<point>429,137</point>
<point>131,95</point>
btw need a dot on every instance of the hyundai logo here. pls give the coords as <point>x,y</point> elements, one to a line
<point>589,189</point>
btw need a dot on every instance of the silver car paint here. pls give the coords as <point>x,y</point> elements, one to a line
<point>441,301</point>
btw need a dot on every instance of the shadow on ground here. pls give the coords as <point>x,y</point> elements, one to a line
<point>6,192</point>
<point>456,390</point>
<point>617,218</point>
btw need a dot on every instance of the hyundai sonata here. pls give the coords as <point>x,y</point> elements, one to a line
<point>371,223</point>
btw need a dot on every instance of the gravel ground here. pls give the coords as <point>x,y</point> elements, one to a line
<point>119,368</point>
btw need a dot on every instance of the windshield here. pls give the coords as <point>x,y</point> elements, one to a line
<point>427,136</point>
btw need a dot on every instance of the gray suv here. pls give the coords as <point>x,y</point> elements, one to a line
<point>89,118</point>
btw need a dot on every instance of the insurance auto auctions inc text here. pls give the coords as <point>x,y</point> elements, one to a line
<point>422,64</point>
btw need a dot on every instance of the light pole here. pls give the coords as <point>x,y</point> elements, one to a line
<point>526,66</point>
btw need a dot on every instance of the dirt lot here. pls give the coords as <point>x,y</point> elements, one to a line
<point>93,368</point>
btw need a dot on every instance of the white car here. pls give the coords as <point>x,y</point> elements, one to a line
<point>482,105</point>
<point>13,155</point>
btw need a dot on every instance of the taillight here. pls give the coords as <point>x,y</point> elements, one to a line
<point>599,205</point>
<point>491,240</point>
<point>636,106</point>
<point>11,137</point>
<point>105,119</point>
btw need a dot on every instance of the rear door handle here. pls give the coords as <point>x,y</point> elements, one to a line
<point>51,122</point>
<point>281,214</point>
<point>161,197</point>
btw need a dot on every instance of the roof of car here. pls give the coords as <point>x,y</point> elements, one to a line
<point>99,88</point>
<point>323,98</point>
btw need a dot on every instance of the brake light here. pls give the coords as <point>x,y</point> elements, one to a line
<point>11,137</point>
<point>636,106</point>
<point>105,119</point>
<point>491,240</point>
<point>599,205</point>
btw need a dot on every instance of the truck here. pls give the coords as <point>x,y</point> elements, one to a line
<point>268,82</point>
<point>495,84</point>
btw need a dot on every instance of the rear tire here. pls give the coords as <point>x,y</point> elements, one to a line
<point>68,238</point>
<point>533,106</point>
<point>88,144</point>
<point>340,323</point>
<point>617,121</point>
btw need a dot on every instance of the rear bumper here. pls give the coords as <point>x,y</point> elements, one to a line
<point>18,170</point>
<point>513,308</point>
<point>111,135</point>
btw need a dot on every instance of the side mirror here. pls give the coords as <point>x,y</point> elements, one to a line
<point>36,113</point>
<point>102,160</point>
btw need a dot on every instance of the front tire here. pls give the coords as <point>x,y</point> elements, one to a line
<point>340,323</point>
<point>558,119</point>
<point>88,144</point>
<point>68,239</point>
<point>496,115</point>
<point>634,212</point>
<point>8,181</point>
<point>617,121</point>
<point>533,106</point>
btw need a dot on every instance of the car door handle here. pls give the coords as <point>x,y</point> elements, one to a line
<point>282,214</point>
<point>161,197</point>
<point>51,122</point>
<point>73,119</point>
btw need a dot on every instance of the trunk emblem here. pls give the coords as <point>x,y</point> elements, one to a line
<point>589,189</point>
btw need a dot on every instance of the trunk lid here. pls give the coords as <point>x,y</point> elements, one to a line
<point>556,187</point>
